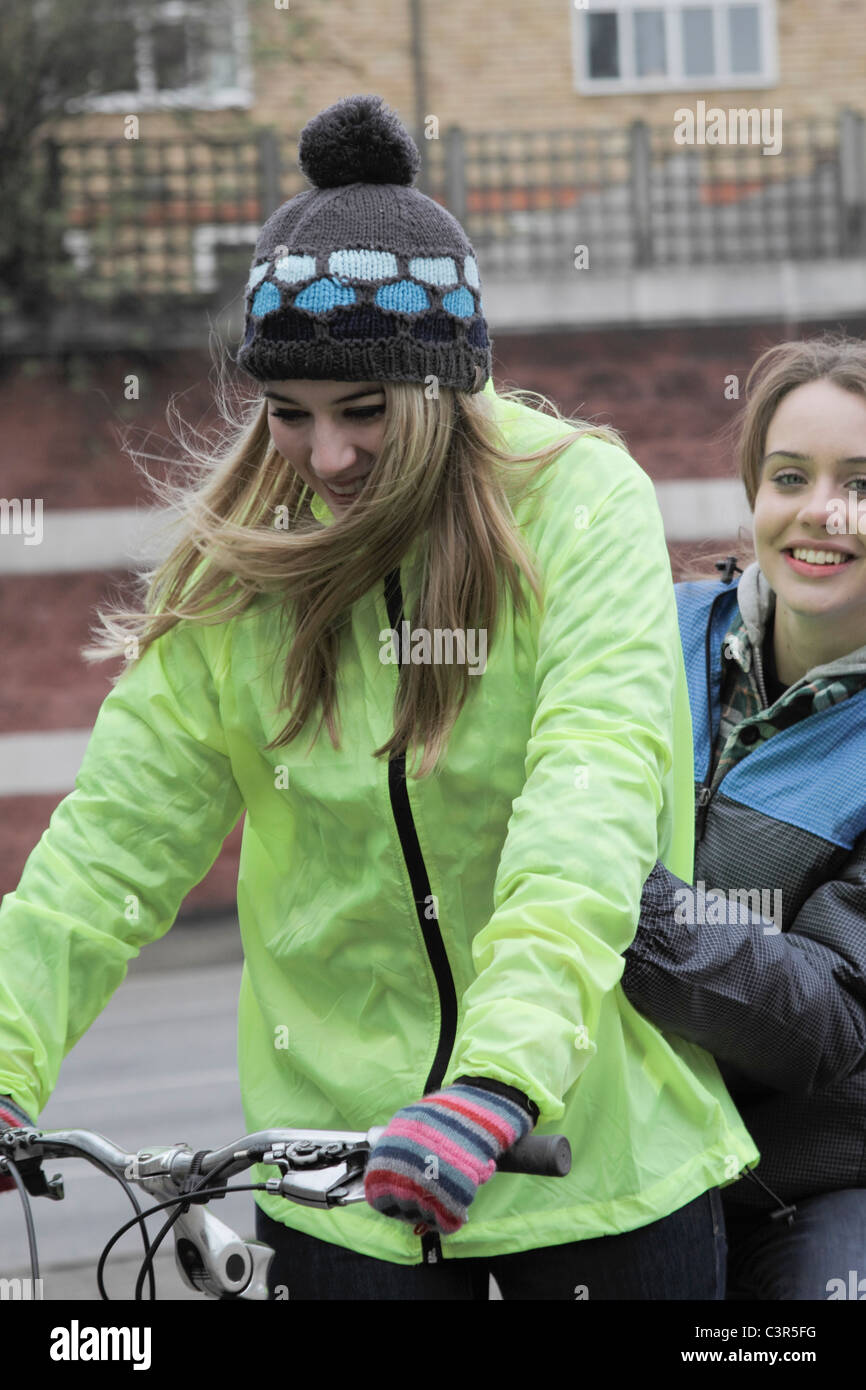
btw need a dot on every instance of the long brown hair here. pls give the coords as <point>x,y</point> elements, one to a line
<point>780,369</point>
<point>444,474</point>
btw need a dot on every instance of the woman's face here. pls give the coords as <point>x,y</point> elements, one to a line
<point>815,454</point>
<point>330,431</point>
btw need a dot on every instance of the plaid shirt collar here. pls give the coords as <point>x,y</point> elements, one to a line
<point>742,697</point>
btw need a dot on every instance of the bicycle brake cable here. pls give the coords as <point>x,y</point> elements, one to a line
<point>184,1198</point>
<point>142,1217</point>
<point>28,1212</point>
<point>28,1216</point>
<point>127,1187</point>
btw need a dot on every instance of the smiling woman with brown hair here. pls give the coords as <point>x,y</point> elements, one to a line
<point>776,664</point>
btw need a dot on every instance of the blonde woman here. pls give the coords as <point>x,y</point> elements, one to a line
<point>763,959</point>
<point>473,601</point>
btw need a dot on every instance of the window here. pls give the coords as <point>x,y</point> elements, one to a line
<point>673,45</point>
<point>164,53</point>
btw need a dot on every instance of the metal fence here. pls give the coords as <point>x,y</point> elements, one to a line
<point>634,198</point>
<point>175,219</point>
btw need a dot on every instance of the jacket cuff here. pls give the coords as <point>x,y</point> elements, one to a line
<point>658,921</point>
<point>498,1088</point>
<point>8,1104</point>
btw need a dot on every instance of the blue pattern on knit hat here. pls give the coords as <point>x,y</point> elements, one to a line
<point>436,270</point>
<point>405,296</point>
<point>323,295</point>
<point>459,302</point>
<point>363,264</point>
<point>362,323</point>
<point>267,299</point>
<point>294,268</point>
<point>257,273</point>
<point>470,272</point>
<point>434,328</point>
<point>289,326</point>
<point>477,335</point>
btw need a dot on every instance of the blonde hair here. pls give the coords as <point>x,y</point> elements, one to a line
<point>443,474</point>
<point>831,356</point>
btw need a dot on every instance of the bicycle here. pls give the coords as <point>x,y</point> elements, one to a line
<point>318,1168</point>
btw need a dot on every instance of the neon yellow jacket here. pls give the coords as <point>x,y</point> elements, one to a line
<point>471,924</point>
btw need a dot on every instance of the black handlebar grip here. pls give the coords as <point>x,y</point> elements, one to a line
<point>548,1155</point>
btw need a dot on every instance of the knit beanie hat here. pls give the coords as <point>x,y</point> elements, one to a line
<point>362,277</point>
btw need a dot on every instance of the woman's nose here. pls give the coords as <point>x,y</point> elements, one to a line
<point>816,503</point>
<point>331,453</point>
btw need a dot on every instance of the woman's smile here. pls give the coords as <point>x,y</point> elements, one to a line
<point>818,561</point>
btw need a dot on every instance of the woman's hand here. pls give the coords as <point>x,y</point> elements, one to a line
<point>434,1155</point>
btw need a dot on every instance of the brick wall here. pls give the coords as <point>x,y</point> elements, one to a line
<point>504,65</point>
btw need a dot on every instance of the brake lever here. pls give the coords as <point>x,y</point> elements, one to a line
<point>310,1177</point>
<point>15,1142</point>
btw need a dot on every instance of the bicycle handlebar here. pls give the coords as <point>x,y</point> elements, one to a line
<point>318,1168</point>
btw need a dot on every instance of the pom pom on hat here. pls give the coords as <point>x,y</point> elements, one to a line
<point>357,140</point>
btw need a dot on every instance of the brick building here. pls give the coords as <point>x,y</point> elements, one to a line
<point>551,64</point>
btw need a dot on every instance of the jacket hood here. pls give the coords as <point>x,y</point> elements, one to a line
<point>758,604</point>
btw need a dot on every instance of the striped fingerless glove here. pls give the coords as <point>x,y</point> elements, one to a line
<point>11,1116</point>
<point>431,1159</point>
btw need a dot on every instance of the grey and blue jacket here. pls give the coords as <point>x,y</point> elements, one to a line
<point>762,960</point>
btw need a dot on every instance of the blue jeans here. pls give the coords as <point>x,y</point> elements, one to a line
<point>682,1256</point>
<point>827,1241</point>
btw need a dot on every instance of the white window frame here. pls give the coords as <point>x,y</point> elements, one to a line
<point>673,81</point>
<point>206,238</point>
<point>147,97</point>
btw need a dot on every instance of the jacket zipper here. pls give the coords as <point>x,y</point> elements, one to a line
<point>431,1249</point>
<point>704,793</point>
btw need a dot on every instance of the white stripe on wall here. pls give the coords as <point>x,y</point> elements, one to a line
<point>46,541</point>
<point>37,764</point>
<point>703,509</point>
<point>38,540</point>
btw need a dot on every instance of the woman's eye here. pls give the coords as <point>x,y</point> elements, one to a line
<point>780,477</point>
<point>366,412</point>
<point>857,482</point>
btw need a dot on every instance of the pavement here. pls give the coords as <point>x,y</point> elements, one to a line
<point>157,1065</point>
